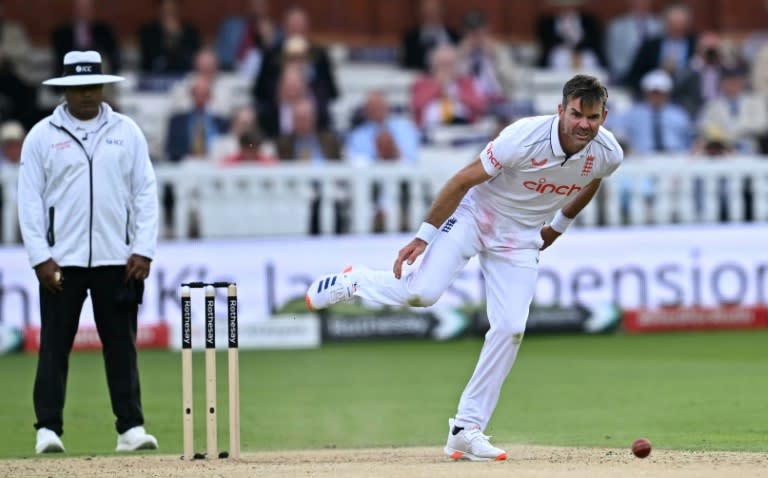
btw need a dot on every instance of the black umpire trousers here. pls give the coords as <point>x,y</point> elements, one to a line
<point>116,326</point>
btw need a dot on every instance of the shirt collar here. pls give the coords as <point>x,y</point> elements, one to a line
<point>554,138</point>
<point>557,148</point>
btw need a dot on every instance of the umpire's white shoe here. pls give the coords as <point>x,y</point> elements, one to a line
<point>134,439</point>
<point>331,289</point>
<point>471,444</point>
<point>48,442</point>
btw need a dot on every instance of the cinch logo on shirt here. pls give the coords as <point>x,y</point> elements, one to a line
<point>492,158</point>
<point>542,187</point>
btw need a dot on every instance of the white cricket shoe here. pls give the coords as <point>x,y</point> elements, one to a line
<point>134,439</point>
<point>471,444</point>
<point>48,442</point>
<point>331,289</point>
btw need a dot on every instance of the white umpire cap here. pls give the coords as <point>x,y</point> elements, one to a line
<point>82,68</point>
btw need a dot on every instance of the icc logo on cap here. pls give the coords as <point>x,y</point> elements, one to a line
<point>82,68</point>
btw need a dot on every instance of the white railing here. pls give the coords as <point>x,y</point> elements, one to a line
<point>257,201</point>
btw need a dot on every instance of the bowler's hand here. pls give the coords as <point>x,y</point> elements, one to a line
<point>49,275</point>
<point>137,267</point>
<point>409,253</point>
<point>549,235</point>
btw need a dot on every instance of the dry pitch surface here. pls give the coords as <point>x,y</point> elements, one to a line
<point>526,461</point>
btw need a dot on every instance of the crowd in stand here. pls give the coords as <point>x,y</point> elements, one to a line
<point>693,92</point>
<point>691,88</point>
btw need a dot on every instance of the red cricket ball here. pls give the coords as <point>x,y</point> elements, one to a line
<point>641,448</point>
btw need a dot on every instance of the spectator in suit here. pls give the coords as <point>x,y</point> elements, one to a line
<point>250,151</point>
<point>419,42</point>
<point>85,33</point>
<point>627,32</point>
<point>276,117</point>
<point>223,101</point>
<point>672,51</point>
<point>445,95</point>
<point>168,44</point>
<point>655,124</point>
<point>297,49</point>
<point>307,144</point>
<point>570,38</point>
<point>243,39</point>
<point>740,115</point>
<point>192,133</point>
<point>383,136</point>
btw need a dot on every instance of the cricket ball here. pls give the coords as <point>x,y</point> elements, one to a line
<point>641,448</point>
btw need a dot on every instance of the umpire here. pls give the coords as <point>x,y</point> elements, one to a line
<point>88,215</point>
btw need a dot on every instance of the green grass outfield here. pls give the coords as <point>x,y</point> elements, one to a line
<point>686,391</point>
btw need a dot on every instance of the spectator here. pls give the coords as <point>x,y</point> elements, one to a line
<point>740,116</point>
<point>569,39</point>
<point>488,63</point>
<point>655,125</point>
<point>11,136</point>
<point>276,116</point>
<point>85,33</point>
<point>383,136</point>
<point>307,144</point>
<point>14,49</point>
<point>207,67</point>
<point>296,49</point>
<point>672,51</point>
<point>168,44</point>
<point>225,145</point>
<point>418,43</point>
<point>250,150</point>
<point>17,97</point>
<point>243,39</point>
<point>192,133</point>
<point>445,96</point>
<point>626,33</point>
<point>714,143</point>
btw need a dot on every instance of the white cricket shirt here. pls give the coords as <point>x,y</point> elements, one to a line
<point>532,178</point>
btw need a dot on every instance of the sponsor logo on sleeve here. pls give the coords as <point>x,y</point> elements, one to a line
<point>495,162</point>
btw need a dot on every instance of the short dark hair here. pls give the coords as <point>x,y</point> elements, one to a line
<point>587,88</point>
<point>250,137</point>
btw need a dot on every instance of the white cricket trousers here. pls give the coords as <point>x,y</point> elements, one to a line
<point>510,280</point>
